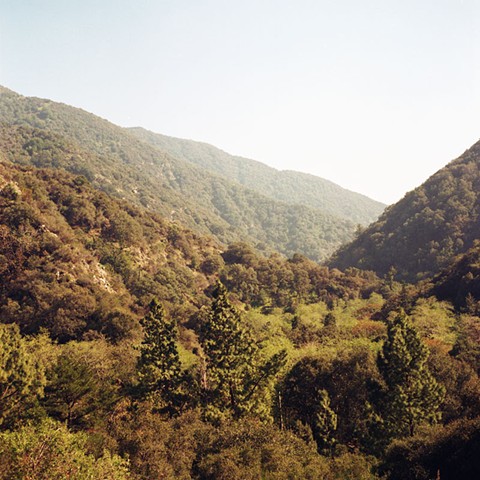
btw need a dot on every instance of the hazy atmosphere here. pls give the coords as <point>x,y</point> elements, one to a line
<point>374,95</point>
<point>179,300</point>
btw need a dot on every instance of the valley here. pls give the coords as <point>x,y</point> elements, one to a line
<point>168,310</point>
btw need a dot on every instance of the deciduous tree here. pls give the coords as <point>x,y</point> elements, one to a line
<point>22,375</point>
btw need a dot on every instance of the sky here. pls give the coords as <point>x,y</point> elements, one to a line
<point>375,95</point>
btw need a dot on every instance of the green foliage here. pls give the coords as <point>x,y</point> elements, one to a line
<point>282,362</point>
<point>461,382</point>
<point>350,466</point>
<point>49,451</point>
<point>22,375</point>
<point>75,277</point>
<point>334,390</point>
<point>325,423</point>
<point>448,453</point>
<point>467,344</point>
<point>187,448</point>
<point>73,393</point>
<point>159,368</point>
<point>434,321</point>
<point>249,449</point>
<point>412,395</point>
<point>80,388</point>
<point>460,281</point>
<point>236,378</point>
<point>275,282</point>
<point>302,393</point>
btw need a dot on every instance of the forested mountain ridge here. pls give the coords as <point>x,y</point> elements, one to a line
<point>286,186</point>
<point>423,232</point>
<point>114,160</point>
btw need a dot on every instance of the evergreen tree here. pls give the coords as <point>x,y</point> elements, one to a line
<point>325,424</point>
<point>72,391</point>
<point>307,405</point>
<point>159,367</point>
<point>412,394</point>
<point>236,375</point>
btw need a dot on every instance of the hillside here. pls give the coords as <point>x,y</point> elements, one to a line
<point>76,262</point>
<point>422,233</point>
<point>460,281</point>
<point>117,162</point>
<point>285,186</point>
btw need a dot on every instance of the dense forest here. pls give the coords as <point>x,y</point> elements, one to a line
<point>419,235</point>
<point>116,161</point>
<point>133,347</point>
<point>460,281</point>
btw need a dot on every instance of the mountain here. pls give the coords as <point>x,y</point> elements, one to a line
<point>285,186</point>
<point>116,161</point>
<point>422,233</point>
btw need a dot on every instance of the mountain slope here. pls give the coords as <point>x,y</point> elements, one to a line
<point>286,186</point>
<point>460,281</point>
<point>116,161</point>
<point>421,234</point>
<point>79,263</point>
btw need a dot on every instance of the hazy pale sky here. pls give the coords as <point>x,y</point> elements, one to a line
<point>375,95</point>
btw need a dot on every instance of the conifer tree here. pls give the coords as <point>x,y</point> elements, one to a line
<point>159,367</point>
<point>236,374</point>
<point>412,394</point>
<point>325,424</point>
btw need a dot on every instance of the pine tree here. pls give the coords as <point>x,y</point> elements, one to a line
<point>412,394</point>
<point>235,372</point>
<point>159,367</point>
<point>325,424</point>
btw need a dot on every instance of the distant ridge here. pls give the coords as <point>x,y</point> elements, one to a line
<point>286,186</point>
